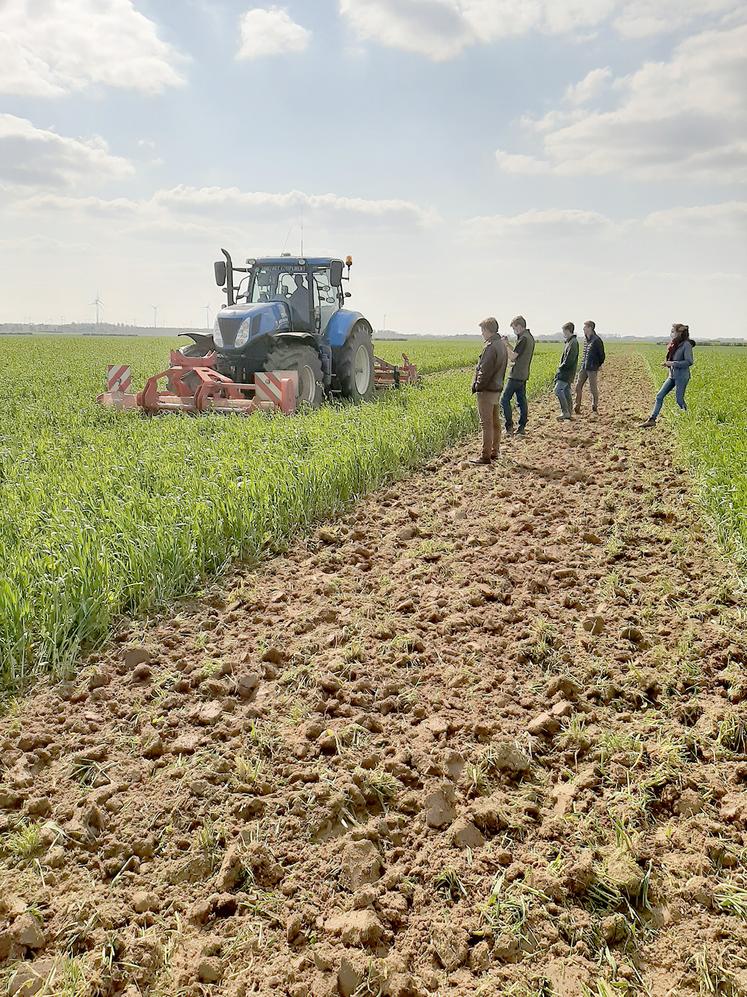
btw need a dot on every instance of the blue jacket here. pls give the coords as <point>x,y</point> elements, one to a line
<point>682,361</point>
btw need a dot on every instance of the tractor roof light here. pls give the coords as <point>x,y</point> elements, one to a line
<point>348,261</point>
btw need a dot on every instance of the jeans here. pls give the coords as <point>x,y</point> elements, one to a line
<point>518,388</point>
<point>679,384</point>
<point>487,408</point>
<point>563,394</point>
<point>590,376</point>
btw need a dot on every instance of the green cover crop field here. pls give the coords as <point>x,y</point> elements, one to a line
<point>106,513</point>
<point>713,435</point>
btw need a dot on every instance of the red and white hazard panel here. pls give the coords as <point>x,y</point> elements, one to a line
<point>277,386</point>
<point>118,378</point>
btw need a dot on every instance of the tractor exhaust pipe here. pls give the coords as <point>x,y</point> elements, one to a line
<point>224,276</point>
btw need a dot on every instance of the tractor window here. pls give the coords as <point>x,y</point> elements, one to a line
<point>325,293</point>
<point>278,284</point>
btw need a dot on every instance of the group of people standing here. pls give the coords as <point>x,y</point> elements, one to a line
<point>494,361</point>
<point>497,354</point>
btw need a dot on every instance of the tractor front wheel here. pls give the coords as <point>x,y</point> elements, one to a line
<point>305,361</point>
<point>354,364</point>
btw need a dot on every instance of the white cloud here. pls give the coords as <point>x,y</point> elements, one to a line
<point>726,217</point>
<point>589,87</point>
<point>442,29</point>
<point>718,220</point>
<point>684,118</point>
<point>31,156</point>
<point>290,204</point>
<point>438,29</point>
<point>642,18</point>
<point>554,223</point>
<point>510,162</point>
<point>270,31</point>
<point>54,47</point>
<point>184,205</point>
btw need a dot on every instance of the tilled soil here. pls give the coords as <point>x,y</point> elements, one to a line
<point>484,735</point>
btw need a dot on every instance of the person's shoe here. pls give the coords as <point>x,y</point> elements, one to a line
<point>563,418</point>
<point>648,424</point>
<point>521,432</point>
<point>577,409</point>
<point>509,430</point>
<point>481,460</point>
<point>594,408</point>
<point>496,455</point>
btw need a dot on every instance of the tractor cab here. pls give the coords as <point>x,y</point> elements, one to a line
<point>304,286</point>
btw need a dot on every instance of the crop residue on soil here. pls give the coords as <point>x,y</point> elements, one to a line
<point>486,732</point>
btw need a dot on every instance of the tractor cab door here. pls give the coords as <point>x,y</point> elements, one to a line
<point>326,299</point>
<point>294,289</point>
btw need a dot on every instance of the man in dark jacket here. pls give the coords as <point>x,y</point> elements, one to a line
<point>518,375</point>
<point>567,371</point>
<point>591,363</point>
<point>491,369</point>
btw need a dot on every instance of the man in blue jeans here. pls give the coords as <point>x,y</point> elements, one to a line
<point>518,375</point>
<point>567,371</point>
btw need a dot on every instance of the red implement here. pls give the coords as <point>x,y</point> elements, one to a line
<point>389,375</point>
<point>194,386</point>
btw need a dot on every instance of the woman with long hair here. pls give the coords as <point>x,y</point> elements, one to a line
<point>679,361</point>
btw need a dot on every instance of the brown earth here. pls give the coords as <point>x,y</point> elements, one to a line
<point>484,735</point>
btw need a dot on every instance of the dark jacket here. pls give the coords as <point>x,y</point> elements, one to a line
<point>593,353</point>
<point>491,367</point>
<point>568,362</point>
<point>524,350</point>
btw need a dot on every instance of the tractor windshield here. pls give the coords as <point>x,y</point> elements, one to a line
<point>277,284</point>
<point>283,283</point>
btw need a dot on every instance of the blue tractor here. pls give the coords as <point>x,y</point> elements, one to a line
<point>288,313</point>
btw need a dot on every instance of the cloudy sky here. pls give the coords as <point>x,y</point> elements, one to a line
<point>559,158</point>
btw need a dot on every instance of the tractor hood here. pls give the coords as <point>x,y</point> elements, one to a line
<point>238,325</point>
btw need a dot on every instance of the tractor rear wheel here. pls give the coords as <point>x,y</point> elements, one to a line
<point>305,360</point>
<point>354,364</point>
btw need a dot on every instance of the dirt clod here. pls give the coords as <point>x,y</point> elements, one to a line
<point>361,864</point>
<point>27,932</point>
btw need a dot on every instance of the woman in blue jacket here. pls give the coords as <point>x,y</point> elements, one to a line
<point>679,361</point>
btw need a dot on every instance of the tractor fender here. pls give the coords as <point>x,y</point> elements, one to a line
<point>341,325</point>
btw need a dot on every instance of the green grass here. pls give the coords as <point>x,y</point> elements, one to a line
<point>713,435</point>
<point>105,513</point>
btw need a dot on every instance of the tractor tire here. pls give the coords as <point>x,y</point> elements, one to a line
<point>354,365</point>
<point>305,360</point>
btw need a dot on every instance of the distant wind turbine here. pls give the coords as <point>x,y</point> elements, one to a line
<point>97,303</point>
<point>155,316</point>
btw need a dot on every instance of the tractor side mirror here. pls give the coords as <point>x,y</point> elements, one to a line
<point>220,272</point>
<point>335,273</point>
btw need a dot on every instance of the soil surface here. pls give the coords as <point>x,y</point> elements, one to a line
<point>486,734</point>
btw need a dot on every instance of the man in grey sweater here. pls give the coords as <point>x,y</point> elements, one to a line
<point>491,369</point>
<point>567,371</point>
<point>518,375</point>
